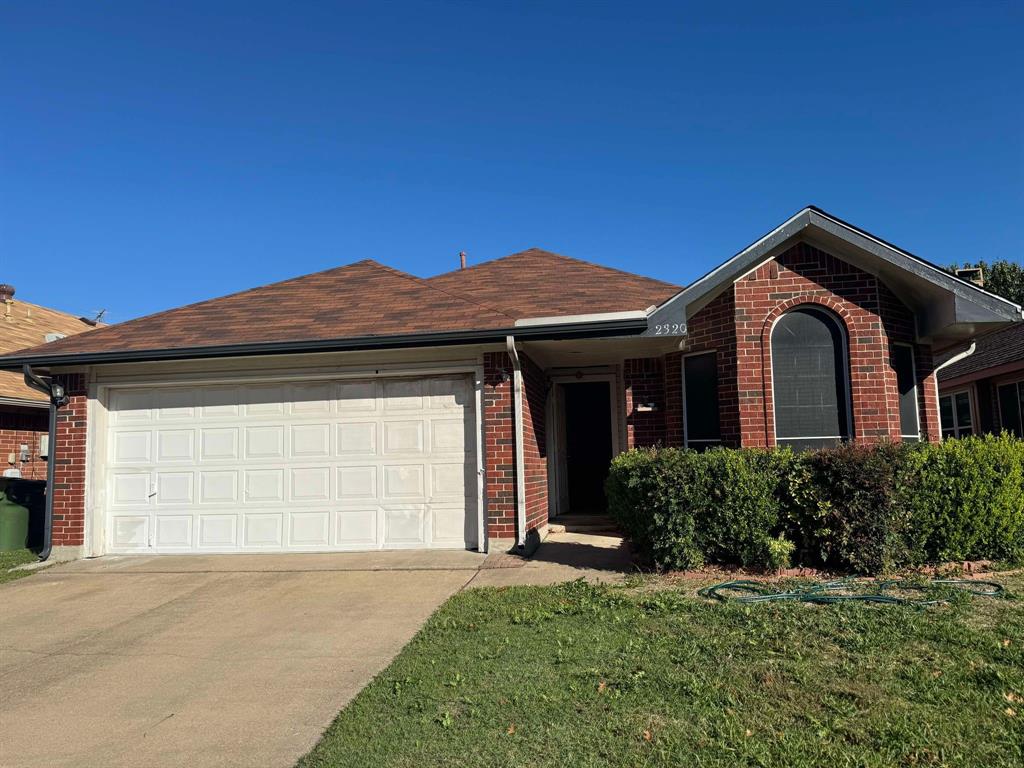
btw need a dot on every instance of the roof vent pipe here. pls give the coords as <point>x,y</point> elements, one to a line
<point>462,259</point>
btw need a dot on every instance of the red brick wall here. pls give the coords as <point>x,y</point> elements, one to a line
<point>499,445</point>
<point>737,325</point>
<point>873,318</point>
<point>69,469</point>
<point>644,382</point>
<point>23,426</point>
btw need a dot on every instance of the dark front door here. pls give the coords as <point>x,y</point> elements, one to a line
<point>588,444</point>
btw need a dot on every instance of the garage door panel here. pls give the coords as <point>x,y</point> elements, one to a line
<point>218,487</point>
<point>218,531</point>
<point>174,488</point>
<point>404,437</point>
<point>264,485</point>
<point>218,444</point>
<point>132,447</point>
<point>173,532</point>
<point>263,529</point>
<point>329,465</point>
<point>404,525</point>
<point>311,529</point>
<point>310,484</point>
<point>310,440</point>
<point>357,528</point>
<point>131,532</point>
<point>357,438</point>
<point>357,483</point>
<point>175,445</point>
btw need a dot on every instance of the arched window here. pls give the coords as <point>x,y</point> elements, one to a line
<point>810,378</point>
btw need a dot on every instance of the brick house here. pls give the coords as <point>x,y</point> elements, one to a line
<point>24,412</point>
<point>363,407</point>
<point>982,389</point>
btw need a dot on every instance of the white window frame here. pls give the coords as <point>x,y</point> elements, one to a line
<point>686,416</point>
<point>917,401</point>
<point>957,430</point>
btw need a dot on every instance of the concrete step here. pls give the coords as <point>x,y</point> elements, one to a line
<point>582,524</point>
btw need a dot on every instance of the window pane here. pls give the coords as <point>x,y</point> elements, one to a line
<point>903,362</point>
<point>946,415</point>
<point>1010,408</point>
<point>701,383</point>
<point>963,413</point>
<point>809,376</point>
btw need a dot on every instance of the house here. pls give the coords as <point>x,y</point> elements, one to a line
<point>366,408</point>
<point>24,412</point>
<point>983,391</point>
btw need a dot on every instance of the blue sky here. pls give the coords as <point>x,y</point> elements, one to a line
<point>153,154</point>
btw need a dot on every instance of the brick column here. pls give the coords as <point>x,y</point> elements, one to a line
<point>69,469</point>
<point>644,382</point>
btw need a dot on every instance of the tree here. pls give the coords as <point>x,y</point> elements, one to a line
<point>1003,278</point>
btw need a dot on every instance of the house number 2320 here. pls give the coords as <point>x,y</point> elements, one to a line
<point>669,329</point>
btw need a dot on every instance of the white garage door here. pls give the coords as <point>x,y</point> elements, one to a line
<point>327,465</point>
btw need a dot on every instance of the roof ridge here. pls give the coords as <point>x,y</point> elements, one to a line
<point>563,257</point>
<point>68,315</point>
<point>425,282</point>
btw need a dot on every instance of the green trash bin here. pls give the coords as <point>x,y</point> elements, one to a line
<point>13,524</point>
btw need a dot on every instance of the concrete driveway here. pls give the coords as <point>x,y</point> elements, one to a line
<point>231,660</point>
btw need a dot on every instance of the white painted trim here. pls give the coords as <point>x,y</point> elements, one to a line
<point>520,451</point>
<point>686,415</point>
<point>597,317</point>
<point>97,410</point>
<point>844,335</point>
<point>917,403</point>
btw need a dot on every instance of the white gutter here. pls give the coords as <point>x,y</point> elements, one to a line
<point>517,410</point>
<point>597,317</point>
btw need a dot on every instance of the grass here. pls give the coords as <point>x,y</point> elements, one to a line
<point>578,675</point>
<point>13,559</point>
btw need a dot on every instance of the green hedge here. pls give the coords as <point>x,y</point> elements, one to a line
<point>861,509</point>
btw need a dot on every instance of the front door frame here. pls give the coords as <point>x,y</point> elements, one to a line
<point>558,489</point>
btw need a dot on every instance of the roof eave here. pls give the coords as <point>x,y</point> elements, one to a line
<point>632,326</point>
<point>965,310</point>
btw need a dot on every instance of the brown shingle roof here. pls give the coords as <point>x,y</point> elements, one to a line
<point>538,283</point>
<point>998,348</point>
<point>26,325</point>
<point>367,299</point>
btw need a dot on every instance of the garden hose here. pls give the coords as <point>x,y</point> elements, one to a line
<point>841,591</point>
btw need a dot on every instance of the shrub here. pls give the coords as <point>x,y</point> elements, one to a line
<point>684,508</point>
<point>965,499</point>
<point>850,518</point>
<point>854,508</point>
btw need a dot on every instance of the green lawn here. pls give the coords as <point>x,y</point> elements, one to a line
<point>12,559</point>
<point>576,675</point>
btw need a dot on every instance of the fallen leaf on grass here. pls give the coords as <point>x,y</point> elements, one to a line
<point>601,686</point>
<point>648,736</point>
<point>511,729</point>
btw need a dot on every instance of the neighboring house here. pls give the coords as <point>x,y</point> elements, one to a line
<point>366,408</point>
<point>24,412</point>
<point>984,391</point>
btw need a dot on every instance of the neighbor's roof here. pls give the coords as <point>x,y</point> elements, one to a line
<point>992,351</point>
<point>369,300</point>
<point>26,325</point>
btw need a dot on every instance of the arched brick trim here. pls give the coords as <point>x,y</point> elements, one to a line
<point>842,314</point>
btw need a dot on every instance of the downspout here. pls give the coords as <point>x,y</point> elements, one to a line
<point>954,359</point>
<point>517,410</point>
<point>55,393</point>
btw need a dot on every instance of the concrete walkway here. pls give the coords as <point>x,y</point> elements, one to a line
<point>231,660</point>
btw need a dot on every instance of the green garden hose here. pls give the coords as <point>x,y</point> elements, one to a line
<point>846,590</point>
